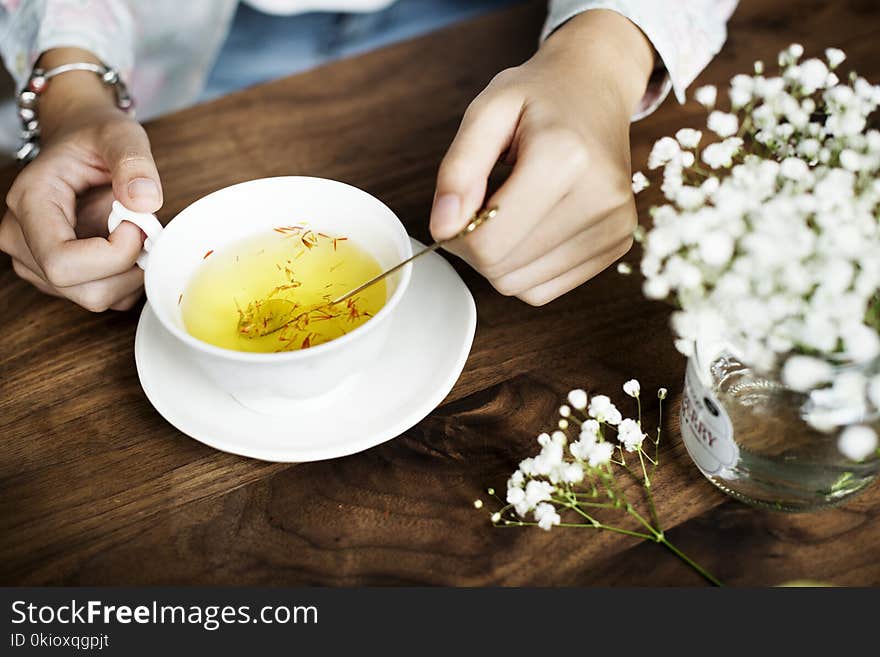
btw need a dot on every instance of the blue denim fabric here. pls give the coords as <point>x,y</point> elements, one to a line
<point>262,47</point>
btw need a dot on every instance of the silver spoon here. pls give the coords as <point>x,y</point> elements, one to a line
<point>476,221</point>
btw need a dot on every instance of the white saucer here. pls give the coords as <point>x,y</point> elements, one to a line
<point>431,336</point>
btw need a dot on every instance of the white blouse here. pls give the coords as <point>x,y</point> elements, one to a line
<point>165,48</point>
<point>288,7</point>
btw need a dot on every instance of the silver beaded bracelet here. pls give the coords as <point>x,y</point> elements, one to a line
<point>36,85</point>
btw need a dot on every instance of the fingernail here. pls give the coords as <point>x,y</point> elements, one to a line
<point>143,189</point>
<point>446,213</point>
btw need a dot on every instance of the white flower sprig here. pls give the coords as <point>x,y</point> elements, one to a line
<point>770,240</point>
<point>576,472</point>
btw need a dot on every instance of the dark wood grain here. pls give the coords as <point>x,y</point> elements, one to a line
<point>96,488</point>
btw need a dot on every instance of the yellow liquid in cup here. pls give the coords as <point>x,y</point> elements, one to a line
<point>242,297</point>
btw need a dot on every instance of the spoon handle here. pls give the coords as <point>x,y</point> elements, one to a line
<point>479,218</point>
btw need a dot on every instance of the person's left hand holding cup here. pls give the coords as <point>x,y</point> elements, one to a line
<point>55,226</point>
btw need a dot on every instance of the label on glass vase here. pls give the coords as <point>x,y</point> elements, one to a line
<point>706,429</point>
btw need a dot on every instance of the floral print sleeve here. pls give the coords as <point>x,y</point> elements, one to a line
<point>163,49</point>
<point>686,34</point>
<point>30,27</point>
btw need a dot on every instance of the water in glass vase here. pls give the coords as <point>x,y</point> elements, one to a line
<point>748,434</point>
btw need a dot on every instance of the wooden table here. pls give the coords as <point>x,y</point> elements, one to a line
<point>98,489</point>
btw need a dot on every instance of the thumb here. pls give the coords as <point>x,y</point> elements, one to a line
<point>486,131</point>
<point>126,152</point>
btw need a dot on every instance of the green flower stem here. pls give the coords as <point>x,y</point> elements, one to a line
<point>657,535</point>
<point>654,535</point>
<point>610,482</point>
<point>652,508</point>
<point>690,562</point>
<point>746,126</point>
<point>657,442</point>
<point>586,515</point>
<point>596,505</point>
<point>644,471</point>
<point>649,497</point>
<point>631,510</point>
<point>599,526</point>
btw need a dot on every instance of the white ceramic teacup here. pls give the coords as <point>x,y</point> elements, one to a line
<point>269,382</point>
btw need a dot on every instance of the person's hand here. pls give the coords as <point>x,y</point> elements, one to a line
<point>55,226</point>
<point>566,211</point>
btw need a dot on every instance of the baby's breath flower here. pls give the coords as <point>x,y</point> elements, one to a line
<point>630,435</point>
<point>549,460</point>
<point>516,496</point>
<point>720,154</point>
<point>580,449</point>
<point>664,151</point>
<point>716,248</point>
<point>742,88</point>
<point>564,410</point>
<point>656,288</point>
<point>857,442</point>
<point>722,124</point>
<point>835,57</point>
<point>563,424</point>
<point>528,467</point>
<point>673,178</point>
<point>689,198</point>
<point>600,454</point>
<point>809,148</point>
<point>639,182</point>
<point>845,123</point>
<point>813,76</point>
<point>572,473</point>
<point>860,342</point>
<point>661,393</point>
<point>803,373</point>
<point>706,96</point>
<point>537,491</point>
<point>496,517</point>
<point>632,388</point>
<point>478,504</point>
<point>578,399</point>
<point>794,168</point>
<point>688,137</point>
<point>775,250</point>
<point>849,159</point>
<point>546,516</point>
<point>624,268</point>
<point>603,410</point>
<point>590,427</point>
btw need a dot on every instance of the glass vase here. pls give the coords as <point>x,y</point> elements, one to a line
<point>748,434</point>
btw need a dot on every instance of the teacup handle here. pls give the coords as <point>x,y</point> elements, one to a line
<point>144,220</point>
